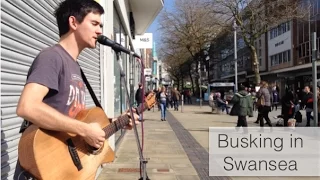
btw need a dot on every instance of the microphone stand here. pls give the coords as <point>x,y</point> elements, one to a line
<point>143,161</point>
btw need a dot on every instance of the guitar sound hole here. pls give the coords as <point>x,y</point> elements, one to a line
<point>94,150</point>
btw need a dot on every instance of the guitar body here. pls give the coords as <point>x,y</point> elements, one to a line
<point>45,153</point>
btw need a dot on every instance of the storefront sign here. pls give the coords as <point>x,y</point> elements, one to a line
<point>144,41</point>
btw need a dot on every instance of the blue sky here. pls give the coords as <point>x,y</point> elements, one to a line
<point>168,4</point>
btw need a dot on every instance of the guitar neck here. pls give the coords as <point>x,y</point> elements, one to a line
<point>121,122</point>
<point>115,126</point>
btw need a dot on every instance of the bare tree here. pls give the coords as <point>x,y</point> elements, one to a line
<point>175,64</point>
<point>254,18</point>
<point>189,28</point>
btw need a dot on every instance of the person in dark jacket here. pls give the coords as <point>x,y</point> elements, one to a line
<point>242,106</point>
<point>139,95</point>
<point>308,103</point>
<point>287,104</point>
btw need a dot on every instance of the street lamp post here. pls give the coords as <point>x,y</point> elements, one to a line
<point>314,78</point>
<point>313,45</point>
<point>235,58</point>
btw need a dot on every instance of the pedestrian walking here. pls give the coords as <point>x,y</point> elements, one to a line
<point>308,104</point>
<point>175,98</point>
<point>264,104</point>
<point>163,103</point>
<point>242,107</point>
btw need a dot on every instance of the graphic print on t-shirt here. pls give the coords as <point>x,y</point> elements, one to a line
<point>76,100</point>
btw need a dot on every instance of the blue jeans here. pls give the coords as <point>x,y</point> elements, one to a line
<point>309,117</point>
<point>163,106</point>
<point>176,105</point>
<point>224,107</point>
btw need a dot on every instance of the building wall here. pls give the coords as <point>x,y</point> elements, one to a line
<point>280,46</point>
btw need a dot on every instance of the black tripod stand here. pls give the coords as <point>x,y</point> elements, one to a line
<point>143,161</point>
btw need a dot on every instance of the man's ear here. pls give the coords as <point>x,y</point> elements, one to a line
<point>73,23</point>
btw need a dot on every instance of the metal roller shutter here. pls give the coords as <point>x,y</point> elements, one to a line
<point>27,27</point>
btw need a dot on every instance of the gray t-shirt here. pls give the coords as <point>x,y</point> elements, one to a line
<point>57,70</point>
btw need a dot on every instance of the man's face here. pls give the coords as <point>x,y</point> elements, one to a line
<point>306,89</point>
<point>88,31</point>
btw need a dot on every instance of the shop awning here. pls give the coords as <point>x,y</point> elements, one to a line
<point>144,13</point>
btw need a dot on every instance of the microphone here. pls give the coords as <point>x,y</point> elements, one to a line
<point>115,46</point>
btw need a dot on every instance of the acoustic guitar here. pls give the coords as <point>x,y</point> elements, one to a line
<point>58,155</point>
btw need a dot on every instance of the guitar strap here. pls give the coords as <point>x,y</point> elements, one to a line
<point>94,97</point>
<point>25,124</point>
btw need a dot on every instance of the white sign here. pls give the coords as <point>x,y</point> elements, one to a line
<point>280,43</point>
<point>144,41</point>
<point>148,78</point>
<point>147,71</point>
<point>255,151</point>
<point>222,84</point>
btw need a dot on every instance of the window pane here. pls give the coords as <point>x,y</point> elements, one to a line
<point>300,32</point>
<point>284,56</point>
<point>306,31</point>
<point>289,55</point>
<point>260,61</point>
<point>270,34</point>
<point>280,58</point>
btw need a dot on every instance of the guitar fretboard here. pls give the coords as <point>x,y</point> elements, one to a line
<point>121,122</point>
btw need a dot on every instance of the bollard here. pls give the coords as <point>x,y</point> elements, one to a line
<point>182,103</point>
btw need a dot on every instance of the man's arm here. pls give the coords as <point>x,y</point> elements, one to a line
<point>32,108</point>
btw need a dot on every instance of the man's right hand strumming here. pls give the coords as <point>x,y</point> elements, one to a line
<point>94,135</point>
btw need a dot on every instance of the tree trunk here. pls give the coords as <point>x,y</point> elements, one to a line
<point>255,65</point>
<point>197,79</point>
<point>178,83</point>
<point>182,82</point>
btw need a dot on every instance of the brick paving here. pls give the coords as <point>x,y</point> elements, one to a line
<point>198,156</point>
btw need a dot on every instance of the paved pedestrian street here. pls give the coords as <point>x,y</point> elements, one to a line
<point>177,149</point>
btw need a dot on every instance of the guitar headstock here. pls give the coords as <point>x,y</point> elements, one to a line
<point>150,100</point>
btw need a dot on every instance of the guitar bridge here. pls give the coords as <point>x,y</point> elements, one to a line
<point>74,154</point>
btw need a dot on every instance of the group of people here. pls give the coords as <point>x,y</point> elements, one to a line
<point>264,101</point>
<point>216,101</point>
<point>164,98</point>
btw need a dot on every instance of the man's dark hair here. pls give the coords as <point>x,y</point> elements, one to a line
<point>77,8</point>
<point>242,88</point>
